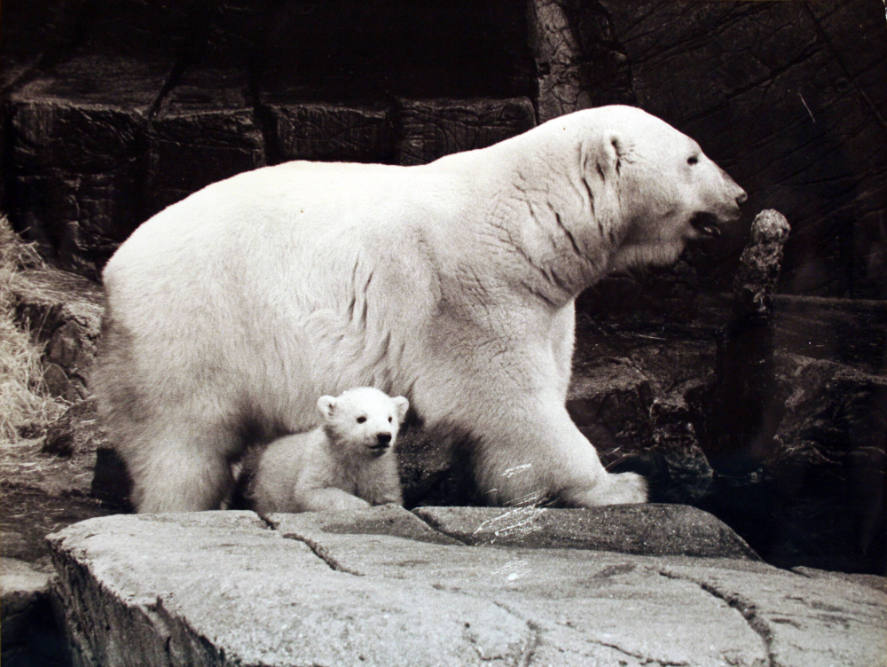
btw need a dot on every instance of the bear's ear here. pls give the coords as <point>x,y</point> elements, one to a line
<point>327,406</point>
<point>401,404</point>
<point>612,151</point>
<point>603,155</point>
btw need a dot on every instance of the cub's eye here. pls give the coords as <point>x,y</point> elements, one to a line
<point>692,159</point>
<point>390,419</point>
<point>361,420</point>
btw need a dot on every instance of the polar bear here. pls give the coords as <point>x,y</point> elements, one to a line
<point>452,283</point>
<point>347,462</point>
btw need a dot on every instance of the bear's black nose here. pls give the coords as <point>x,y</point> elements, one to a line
<point>384,439</point>
<point>741,198</point>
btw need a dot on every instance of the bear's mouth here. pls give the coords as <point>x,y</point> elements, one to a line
<point>707,224</point>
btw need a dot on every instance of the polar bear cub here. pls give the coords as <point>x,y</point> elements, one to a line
<point>347,462</point>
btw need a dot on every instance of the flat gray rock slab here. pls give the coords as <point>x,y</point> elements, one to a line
<point>650,529</point>
<point>383,587</point>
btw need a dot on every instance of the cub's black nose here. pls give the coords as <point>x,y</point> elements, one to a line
<point>384,439</point>
<point>741,198</point>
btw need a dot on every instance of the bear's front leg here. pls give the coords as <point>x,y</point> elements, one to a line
<point>327,498</point>
<point>610,489</point>
<point>531,452</point>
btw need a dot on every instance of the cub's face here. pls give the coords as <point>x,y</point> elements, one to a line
<point>364,420</point>
<point>669,191</point>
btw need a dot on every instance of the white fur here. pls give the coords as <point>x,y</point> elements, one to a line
<point>338,465</point>
<point>452,283</point>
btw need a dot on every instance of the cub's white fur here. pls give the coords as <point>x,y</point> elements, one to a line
<point>452,283</point>
<point>347,462</point>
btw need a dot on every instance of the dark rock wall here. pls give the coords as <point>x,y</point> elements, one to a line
<point>112,109</point>
<point>789,97</point>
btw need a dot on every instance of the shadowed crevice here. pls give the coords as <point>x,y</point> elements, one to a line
<point>318,549</point>
<point>746,608</point>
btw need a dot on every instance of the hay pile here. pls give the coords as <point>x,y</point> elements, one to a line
<point>25,404</point>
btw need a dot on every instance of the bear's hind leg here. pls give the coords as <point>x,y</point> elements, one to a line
<point>179,475</point>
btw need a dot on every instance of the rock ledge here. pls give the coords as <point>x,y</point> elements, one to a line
<point>382,586</point>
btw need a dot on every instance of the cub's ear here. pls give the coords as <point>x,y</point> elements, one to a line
<point>327,406</point>
<point>401,404</point>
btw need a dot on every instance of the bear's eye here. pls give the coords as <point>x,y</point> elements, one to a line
<point>390,419</point>
<point>361,419</point>
<point>692,159</point>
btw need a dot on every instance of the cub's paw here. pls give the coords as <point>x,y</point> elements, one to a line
<point>347,502</point>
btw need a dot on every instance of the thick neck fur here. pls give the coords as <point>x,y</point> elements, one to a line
<point>548,218</point>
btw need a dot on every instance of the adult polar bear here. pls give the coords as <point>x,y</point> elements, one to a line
<point>452,283</point>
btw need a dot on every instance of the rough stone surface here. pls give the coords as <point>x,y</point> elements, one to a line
<point>640,390</point>
<point>78,437</point>
<point>760,265</point>
<point>17,581</point>
<point>435,466</point>
<point>872,580</point>
<point>226,588</point>
<point>43,492</point>
<point>117,109</point>
<point>206,120</point>
<point>77,147</point>
<point>430,129</point>
<point>391,520</point>
<point>578,61</point>
<point>652,530</point>
<point>64,311</point>
<point>787,97</point>
<point>830,458</point>
<point>325,131</point>
<point>848,331</point>
<point>745,374</point>
<point>13,70</point>
<point>689,477</point>
<point>354,51</point>
<point>30,634</point>
<point>643,392</point>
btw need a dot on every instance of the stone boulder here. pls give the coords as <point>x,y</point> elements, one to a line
<point>31,634</point>
<point>652,530</point>
<point>787,97</point>
<point>77,142</point>
<point>43,492</point>
<point>579,61</point>
<point>206,119</point>
<point>644,392</point>
<point>430,129</point>
<point>63,311</point>
<point>638,394</point>
<point>302,130</point>
<point>380,586</point>
<point>827,473</point>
